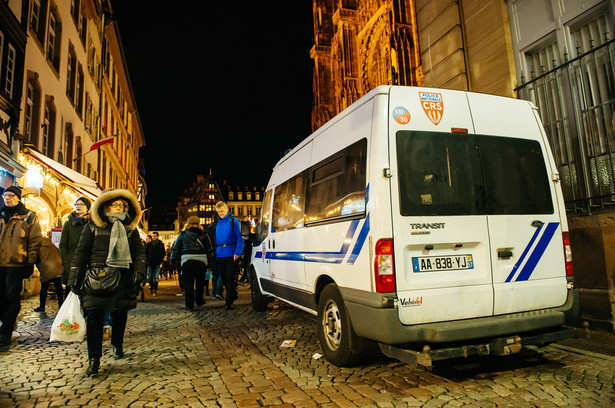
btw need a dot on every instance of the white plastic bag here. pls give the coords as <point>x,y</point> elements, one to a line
<point>69,324</point>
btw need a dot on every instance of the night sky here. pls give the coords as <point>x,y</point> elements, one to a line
<point>226,88</point>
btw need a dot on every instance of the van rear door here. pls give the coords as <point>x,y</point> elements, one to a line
<point>523,221</point>
<point>441,235</point>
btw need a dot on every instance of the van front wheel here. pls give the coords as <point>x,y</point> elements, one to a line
<point>334,328</point>
<point>259,301</point>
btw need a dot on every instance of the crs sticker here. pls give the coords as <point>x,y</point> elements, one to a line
<point>432,105</point>
<point>401,115</point>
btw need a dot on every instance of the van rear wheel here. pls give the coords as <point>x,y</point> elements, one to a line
<point>334,328</point>
<point>259,301</point>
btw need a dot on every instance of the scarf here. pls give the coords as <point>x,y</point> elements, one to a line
<point>119,251</point>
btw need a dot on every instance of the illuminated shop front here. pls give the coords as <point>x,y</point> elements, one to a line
<point>50,189</point>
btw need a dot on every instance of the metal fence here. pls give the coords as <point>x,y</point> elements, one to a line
<point>576,101</point>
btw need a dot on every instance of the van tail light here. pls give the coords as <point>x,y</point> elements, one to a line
<point>568,254</point>
<point>384,266</point>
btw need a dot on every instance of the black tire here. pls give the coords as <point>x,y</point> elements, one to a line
<point>259,301</point>
<point>335,331</point>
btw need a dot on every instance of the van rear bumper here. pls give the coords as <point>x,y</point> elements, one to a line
<point>367,308</point>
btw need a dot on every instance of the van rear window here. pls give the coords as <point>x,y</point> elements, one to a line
<point>464,174</point>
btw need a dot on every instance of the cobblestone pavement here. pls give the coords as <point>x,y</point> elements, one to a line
<point>217,358</point>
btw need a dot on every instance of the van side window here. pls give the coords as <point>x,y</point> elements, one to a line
<point>262,229</point>
<point>337,185</point>
<point>516,180</point>
<point>289,203</point>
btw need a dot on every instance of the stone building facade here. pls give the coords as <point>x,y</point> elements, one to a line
<point>76,93</point>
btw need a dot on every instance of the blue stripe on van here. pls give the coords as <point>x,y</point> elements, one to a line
<point>523,255</point>
<point>536,255</point>
<point>360,242</point>
<point>538,252</point>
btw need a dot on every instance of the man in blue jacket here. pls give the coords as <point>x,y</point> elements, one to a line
<point>229,246</point>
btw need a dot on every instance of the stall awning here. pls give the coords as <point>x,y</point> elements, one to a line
<point>77,180</point>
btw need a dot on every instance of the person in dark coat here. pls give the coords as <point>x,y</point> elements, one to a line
<point>20,243</point>
<point>154,255</point>
<point>71,232</point>
<point>194,250</point>
<point>110,240</point>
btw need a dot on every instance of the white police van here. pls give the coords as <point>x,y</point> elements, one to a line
<point>429,221</point>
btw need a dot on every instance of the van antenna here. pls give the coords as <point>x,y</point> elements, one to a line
<point>430,64</point>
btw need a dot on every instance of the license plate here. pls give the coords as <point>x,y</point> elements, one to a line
<point>442,263</point>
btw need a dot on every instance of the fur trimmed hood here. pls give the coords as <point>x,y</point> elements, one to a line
<point>134,208</point>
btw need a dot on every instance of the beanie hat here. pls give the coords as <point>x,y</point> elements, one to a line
<point>85,201</point>
<point>15,190</point>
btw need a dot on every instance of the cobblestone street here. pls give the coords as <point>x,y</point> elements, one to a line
<point>217,358</point>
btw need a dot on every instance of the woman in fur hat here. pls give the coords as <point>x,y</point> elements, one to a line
<point>109,243</point>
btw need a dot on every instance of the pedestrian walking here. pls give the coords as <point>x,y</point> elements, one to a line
<point>193,249</point>
<point>71,232</point>
<point>20,243</point>
<point>108,265</point>
<point>229,247</point>
<point>49,265</point>
<point>164,269</point>
<point>154,255</point>
<point>217,287</point>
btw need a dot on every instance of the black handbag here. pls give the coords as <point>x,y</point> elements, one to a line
<point>102,281</point>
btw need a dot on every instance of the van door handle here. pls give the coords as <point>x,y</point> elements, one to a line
<point>505,253</point>
<point>273,243</point>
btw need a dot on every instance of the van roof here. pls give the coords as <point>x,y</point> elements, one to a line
<point>382,89</point>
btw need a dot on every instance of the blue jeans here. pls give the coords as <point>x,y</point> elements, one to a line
<point>216,281</point>
<point>152,276</point>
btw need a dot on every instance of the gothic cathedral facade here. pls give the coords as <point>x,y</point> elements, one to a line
<point>359,45</point>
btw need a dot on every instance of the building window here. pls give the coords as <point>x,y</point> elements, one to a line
<point>54,36</point>
<point>249,196</point>
<point>1,49</point>
<point>240,196</point>
<point>240,210</point>
<point>49,130</point>
<point>10,71</point>
<point>231,196</point>
<point>31,117</point>
<point>202,207</point>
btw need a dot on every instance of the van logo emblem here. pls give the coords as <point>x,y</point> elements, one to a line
<point>432,105</point>
<point>401,115</point>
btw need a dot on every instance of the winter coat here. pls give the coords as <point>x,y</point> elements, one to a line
<point>49,263</point>
<point>93,248</point>
<point>20,237</point>
<point>154,252</point>
<point>188,243</point>
<point>229,241</point>
<point>71,232</point>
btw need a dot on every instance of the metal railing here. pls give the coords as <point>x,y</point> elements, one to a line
<point>576,101</point>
